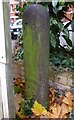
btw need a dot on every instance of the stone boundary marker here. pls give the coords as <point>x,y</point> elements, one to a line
<point>63,79</point>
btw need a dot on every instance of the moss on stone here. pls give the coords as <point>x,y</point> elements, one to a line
<point>31,55</point>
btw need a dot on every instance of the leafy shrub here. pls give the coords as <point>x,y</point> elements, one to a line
<point>61,61</point>
<point>26,106</point>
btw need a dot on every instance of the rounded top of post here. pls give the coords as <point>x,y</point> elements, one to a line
<point>37,7</point>
<point>35,11</point>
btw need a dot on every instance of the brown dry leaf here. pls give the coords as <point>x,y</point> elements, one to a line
<point>19,82</point>
<point>56,110</point>
<point>69,95</point>
<point>50,115</point>
<point>43,116</point>
<point>64,110</point>
<point>52,93</point>
<point>18,100</point>
<point>51,99</point>
<point>70,108</point>
<point>23,117</point>
<point>73,105</point>
<point>59,100</point>
<point>67,101</point>
<point>64,116</point>
<point>52,90</point>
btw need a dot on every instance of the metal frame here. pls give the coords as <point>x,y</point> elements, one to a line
<point>7,107</point>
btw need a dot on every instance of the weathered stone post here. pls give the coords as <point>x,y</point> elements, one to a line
<point>36,52</point>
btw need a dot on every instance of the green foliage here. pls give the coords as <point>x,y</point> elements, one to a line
<point>19,54</point>
<point>17,89</point>
<point>26,106</point>
<point>68,41</point>
<point>57,59</point>
<point>56,26</point>
<point>72,115</point>
<point>19,51</point>
<point>21,9</point>
<point>53,41</point>
<point>61,61</point>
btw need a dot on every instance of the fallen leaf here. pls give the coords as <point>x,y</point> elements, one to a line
<point>64,109</point>
<point>38,109</point>
<point>50,115</point>
<point>73,105</point>
<point>64,116</point>
<point>59,100</point>
<point>18,100</point>
<point>70,109</point>
<point>56,110</point>
<point>67,101</point>
<point>69,95</point>
<point>52,90</point>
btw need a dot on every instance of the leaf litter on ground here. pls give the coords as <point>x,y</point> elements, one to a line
<point>59,106</point>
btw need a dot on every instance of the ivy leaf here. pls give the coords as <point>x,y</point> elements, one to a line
<point>61,2</point>
<point>54,3</point>
<point>72,24</point>
<point>61,26</point>
<point>53,40</point>
<point>66,32</point>
<point>72,115</point>
<point>67,40</point>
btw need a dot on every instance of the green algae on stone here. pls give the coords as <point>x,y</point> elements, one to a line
<point>31,53</point>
